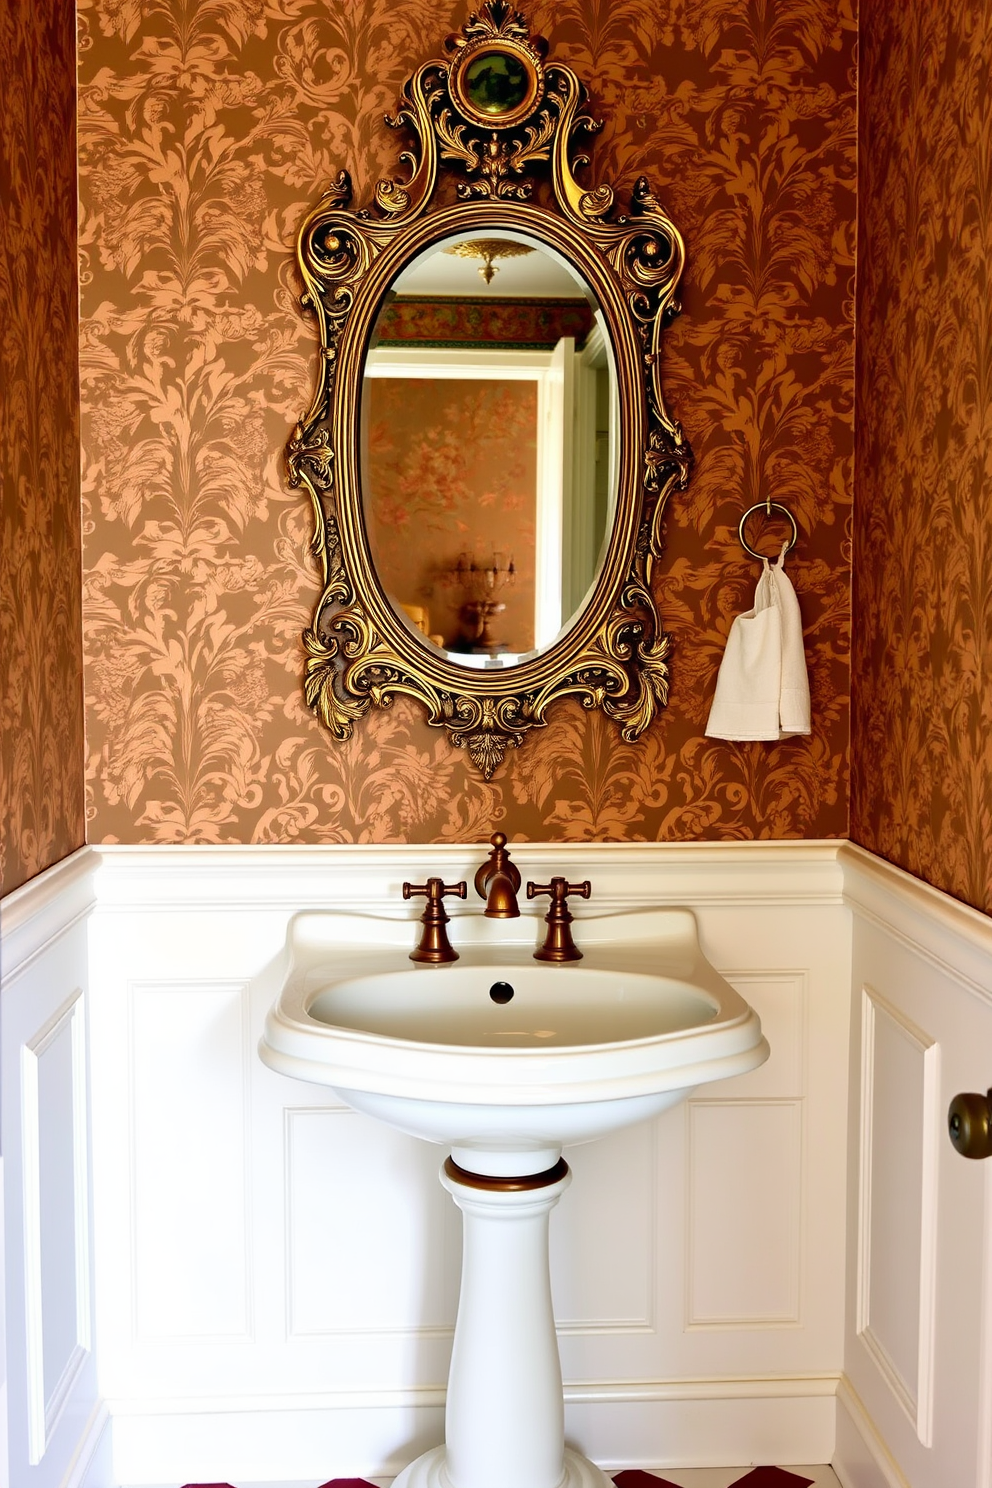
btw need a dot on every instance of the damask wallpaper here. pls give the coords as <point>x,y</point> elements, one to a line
<point>41,712</point>
<point>922,721</point>
<point>207,129</point>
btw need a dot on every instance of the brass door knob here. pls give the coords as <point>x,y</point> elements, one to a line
<point>969,1124</point>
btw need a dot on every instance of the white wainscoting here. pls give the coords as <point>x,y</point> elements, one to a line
<point>277,1276</point>
<point>54,1422</point>
<point>916,1400</point>
<point>227,1247</point>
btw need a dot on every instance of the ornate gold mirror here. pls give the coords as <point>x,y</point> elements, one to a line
<point>488,447</point>
<point>488,451</point>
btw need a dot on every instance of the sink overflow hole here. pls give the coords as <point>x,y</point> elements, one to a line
<point>500,991</point>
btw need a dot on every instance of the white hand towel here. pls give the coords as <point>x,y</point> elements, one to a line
<point>794,710</point>
<point>762,690</point>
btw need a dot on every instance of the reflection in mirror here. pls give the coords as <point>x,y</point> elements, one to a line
<point>489,446</point>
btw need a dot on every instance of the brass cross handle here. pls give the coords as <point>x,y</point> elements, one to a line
<point>434,944</point>
<point>559,945</point>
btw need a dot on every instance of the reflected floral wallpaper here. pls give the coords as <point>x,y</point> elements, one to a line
<point>922,740</point>
<point>207,128</point>
<point>41,712</point>
<point>451,471</point>
<point>436,320</point>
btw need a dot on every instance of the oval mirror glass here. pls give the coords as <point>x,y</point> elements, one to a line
<point>489,446</point>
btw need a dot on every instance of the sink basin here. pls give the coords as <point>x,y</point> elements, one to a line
<point>505,1059</point>
<point>578,1049</point>
<point>565,1006</point>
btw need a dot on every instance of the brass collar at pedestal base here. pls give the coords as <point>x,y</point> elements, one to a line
<point>519,1184</point>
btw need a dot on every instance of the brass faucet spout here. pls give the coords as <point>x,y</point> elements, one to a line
<point>501,898</point>
<point>497,881</point>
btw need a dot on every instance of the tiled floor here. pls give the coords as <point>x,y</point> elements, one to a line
<point>725,1477</point>
<point>679,1477</point>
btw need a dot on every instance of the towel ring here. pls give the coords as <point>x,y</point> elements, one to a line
<point>767,507</point>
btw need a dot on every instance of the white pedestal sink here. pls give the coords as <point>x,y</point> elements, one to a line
<point>504,1060</point>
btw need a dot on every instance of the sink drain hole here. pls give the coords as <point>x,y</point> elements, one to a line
<point>500,991</point>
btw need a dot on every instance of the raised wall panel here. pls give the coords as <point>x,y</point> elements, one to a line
<point>745,1173</point>
<point>190,1264</point>
<point>609,1209</point>
<point>56,1248</point>
<point>373,1242</point>
<point>744,1242</point>
<point>898,1211</point>
<point>780,1000</point>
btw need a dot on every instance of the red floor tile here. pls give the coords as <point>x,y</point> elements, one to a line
<point>347,1483</point>
<point>635,1477</point>
<point>771,1477</point>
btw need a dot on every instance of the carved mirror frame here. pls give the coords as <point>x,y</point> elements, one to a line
<point>613,655</point>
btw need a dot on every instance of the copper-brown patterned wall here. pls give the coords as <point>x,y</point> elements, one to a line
<point>922,739</point>
<point>41,716</point>
<point>207,127</point>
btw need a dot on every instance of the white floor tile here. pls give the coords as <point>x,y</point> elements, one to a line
<point>723,1477</point>
<point>684,1477</point>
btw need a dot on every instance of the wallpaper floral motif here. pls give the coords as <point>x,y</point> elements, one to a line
<point>207,129</point>
<point>450,322</point>
<point>451,471</point>
<point>41,714</point>
<point>922,720</point>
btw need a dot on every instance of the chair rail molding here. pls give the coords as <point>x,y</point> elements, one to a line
<point>350,875</point>
<point>954,938</point>
<point>34,915</point>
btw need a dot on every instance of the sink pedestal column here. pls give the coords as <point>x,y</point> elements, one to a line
<point>504,1419</point>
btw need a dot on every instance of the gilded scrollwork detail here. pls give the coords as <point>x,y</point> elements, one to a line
<point>318,454</point>
<point>616,656</point>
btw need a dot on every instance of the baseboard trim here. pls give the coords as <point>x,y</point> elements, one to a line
<point>861,1459</point>
<point>430,1397</point>
<point>91,1467</point>
<point>647,1424</point>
